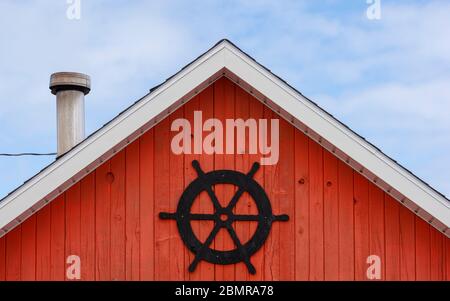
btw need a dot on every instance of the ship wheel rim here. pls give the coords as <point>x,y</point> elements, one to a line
<point>240,180</point>
<point>206,182</point>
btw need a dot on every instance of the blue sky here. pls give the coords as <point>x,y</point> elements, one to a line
<point>388,79</point>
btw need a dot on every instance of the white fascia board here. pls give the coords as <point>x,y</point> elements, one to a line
<point>344,139</point>
<point>106,138</point>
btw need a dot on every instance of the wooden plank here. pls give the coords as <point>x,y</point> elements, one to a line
<point>103,222</point>
<point>206,270</point>
<point>147,213</point>
<point>224,93</point>
<point>162,199</point>
<point>189,176</point>
<point>392,220</point>
<point>346,225</point>
<point>436,255</point>
<point>3,258</point>
<point>132,211</point>
<point>331,216</point>
<point>28,272</point>
<point>57,248</point>
<point>242,108</point>
<point>13,254</point>
<point>423,271</point>
<point>376,225</point>
<point>447,258</point>
<point>256,110</point>
<point>301,218</point>
<point>118,236</point>
<point>177,267</point>
<point>361,212</point>
<point>316,222</point>
<point>272,245</point>
<point>87,227</point>
<point>286,180</point>
<point>73,222</point>
<point>43,242</point>
<point>407,244</point>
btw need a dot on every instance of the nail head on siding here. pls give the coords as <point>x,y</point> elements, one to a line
<point>301,181</point>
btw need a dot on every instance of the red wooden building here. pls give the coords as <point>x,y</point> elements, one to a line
<point>354,213</point>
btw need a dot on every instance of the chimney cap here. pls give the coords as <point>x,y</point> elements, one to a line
<point>63,81</point>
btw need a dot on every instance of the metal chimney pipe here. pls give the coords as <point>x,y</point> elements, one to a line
<point>70,89</point>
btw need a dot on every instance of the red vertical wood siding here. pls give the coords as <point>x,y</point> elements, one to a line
<point>337,217</point>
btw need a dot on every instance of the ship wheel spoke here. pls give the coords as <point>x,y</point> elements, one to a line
<point>241,249</point>
<point>203,247</point>
<point>241,189</point>
<point>245,217</point>
<point>235,198</point>
<point>206,185</point>
<point>202,217</point>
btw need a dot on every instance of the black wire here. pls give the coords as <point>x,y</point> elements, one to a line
<point>27,154</point>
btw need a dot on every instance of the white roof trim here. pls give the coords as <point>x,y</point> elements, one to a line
<point>224,57</point>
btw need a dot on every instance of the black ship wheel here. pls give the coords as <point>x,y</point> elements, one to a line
<point>224,217</point>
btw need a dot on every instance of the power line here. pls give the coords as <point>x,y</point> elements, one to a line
<point>26,154</point>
